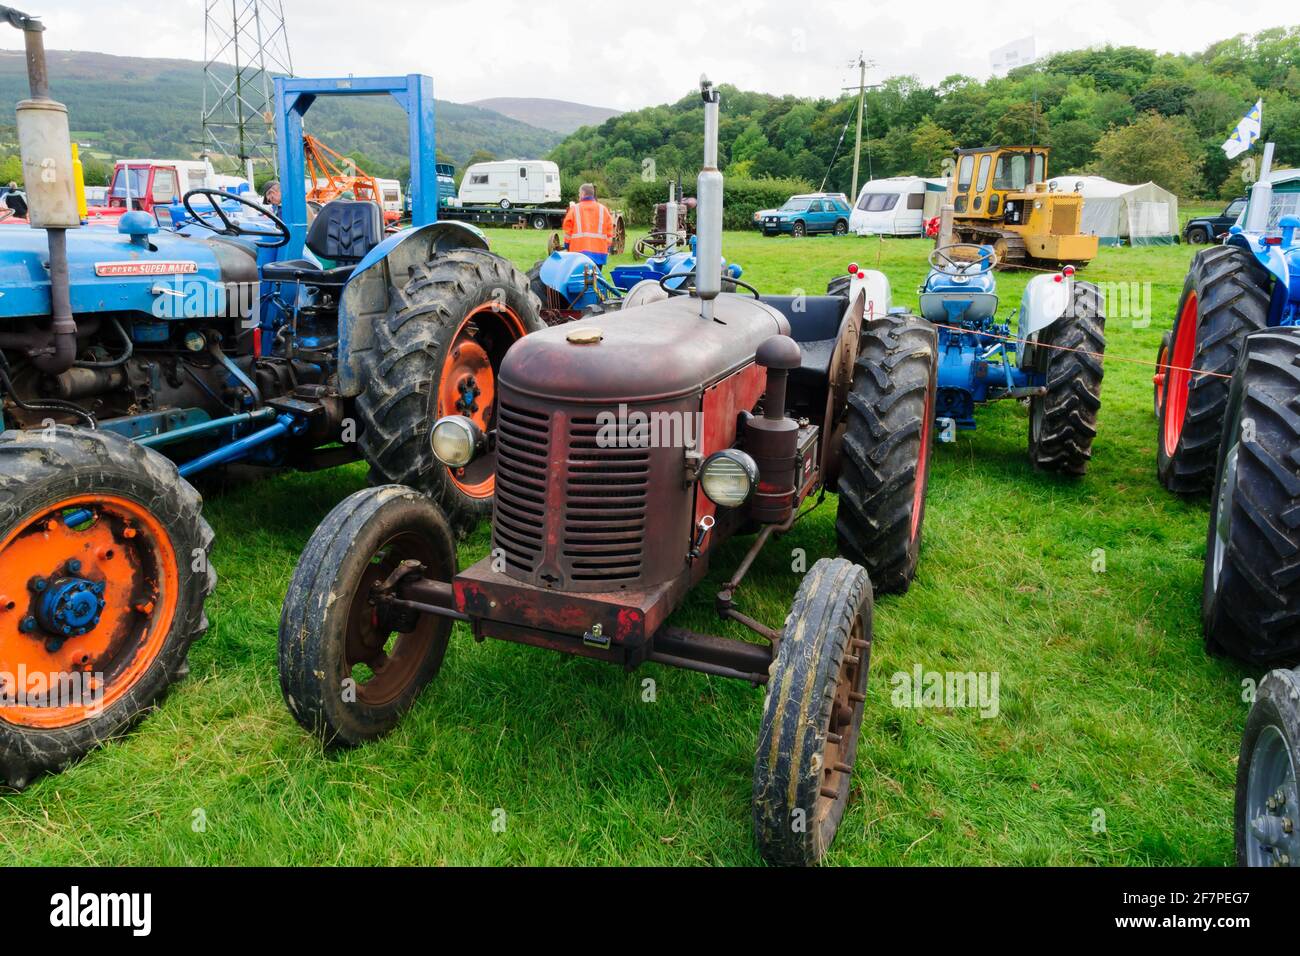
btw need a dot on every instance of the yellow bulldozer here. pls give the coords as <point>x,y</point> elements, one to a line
<point>1000,198</point>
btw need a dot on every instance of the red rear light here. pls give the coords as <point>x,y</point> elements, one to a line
<point>1272,240</point>
<point>1058,277</point>
<point>853,268</point>
<point>862,275</point>
<point>1067,271</point>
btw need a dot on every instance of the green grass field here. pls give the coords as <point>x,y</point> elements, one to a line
<point>1115,742</point>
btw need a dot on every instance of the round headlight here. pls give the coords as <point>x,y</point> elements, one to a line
<point>456,440</point>
<point>728,477</point>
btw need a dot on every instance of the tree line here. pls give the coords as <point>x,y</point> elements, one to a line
<point>1123,112</point>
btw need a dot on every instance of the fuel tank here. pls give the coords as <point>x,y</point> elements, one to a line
<point>656,352</point>
<point>112,273</point>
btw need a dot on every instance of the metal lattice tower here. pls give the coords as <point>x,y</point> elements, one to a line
<point>245,44</point>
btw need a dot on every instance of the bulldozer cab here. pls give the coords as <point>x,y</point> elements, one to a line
<point>988,175</point>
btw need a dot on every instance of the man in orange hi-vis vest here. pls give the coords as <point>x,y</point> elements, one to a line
<point>589,226</point>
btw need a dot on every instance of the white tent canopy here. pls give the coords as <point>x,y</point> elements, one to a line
<point>1116,213</point>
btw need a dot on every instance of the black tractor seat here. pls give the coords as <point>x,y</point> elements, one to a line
<point>344,231</point>
<point>814,324</point>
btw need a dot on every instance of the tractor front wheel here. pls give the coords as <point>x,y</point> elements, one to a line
<point>1250,599</point>
<point>1225,297</point>
<point>1063,421</point>
<point>812,715</point>
<point>437,352</point>
<point>1268,802</point>
<point>349,667</point>
<point>104,572</point>
<point>888,438</point>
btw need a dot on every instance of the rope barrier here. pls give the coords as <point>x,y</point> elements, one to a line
<point>1102,356</point>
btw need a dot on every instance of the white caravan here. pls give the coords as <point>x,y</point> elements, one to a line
<point>896,206</point>
<point>511,182</point>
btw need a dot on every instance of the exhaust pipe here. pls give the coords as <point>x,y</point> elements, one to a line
<point>46,149</point>
<point>708,212</point>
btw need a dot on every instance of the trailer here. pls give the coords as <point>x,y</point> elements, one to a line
<point>533,217</point>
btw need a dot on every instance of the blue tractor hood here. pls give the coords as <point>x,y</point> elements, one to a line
<point>112,271</point>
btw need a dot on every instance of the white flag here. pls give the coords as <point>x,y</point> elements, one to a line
<point>1016,53</point>
<point>1247,131</point>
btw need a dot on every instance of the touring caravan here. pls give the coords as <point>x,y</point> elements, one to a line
<point>511,182</point>
<point>897,206</point>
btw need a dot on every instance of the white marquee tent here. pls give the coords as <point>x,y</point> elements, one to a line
<point>1116,213</point>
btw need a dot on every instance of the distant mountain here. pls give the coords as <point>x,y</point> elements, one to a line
<point>137,106</point>
<point>559,116</point>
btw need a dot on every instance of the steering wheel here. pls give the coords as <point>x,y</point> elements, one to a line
<point>231,227</point>
<point>982,256</point>
<point>681,287</point>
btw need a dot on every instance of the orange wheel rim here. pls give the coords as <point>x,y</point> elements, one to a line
<point>88,593</point>
<point>1178,377</point>
<point>468,385</point>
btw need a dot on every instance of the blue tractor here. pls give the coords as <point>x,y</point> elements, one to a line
<point>569,284</point>
<point>1052,359</point>
<point>1229,420</point>
<point>133,360</point>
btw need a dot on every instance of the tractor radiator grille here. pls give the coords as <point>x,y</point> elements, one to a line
<point>605,506</point>
<point>519,512</point>
<point>1064,216</point>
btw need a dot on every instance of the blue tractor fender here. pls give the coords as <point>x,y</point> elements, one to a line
<point>1046,300</point>
<point>377,280</point>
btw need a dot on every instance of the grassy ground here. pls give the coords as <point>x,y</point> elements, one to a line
<point>1115,740</point>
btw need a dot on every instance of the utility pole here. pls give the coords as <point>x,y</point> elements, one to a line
<point>245,45</point>
<point>862,88</point>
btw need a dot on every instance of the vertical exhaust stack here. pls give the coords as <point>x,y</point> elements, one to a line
<point>46,149</point>
<point>1261,195</point>
<point>708,214</point>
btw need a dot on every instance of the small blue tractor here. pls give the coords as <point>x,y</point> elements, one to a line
<point>261,339</point>
<point>569,284</point>
<point>1053,358</point>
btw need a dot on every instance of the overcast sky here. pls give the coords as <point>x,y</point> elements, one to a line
<point>629,55</point>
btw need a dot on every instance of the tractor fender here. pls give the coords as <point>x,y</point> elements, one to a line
<point>876,286</point>
<point>1046,299</point>
<point>379,277</point>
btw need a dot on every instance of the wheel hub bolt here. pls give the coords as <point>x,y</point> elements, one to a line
<point>38,584</point>
<point>27,624</point>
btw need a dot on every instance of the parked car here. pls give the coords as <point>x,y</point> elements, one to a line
<point>806,214</point>
<point>1211,228</point>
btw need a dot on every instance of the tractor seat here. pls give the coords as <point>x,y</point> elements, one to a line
<point>344,231</point>
<point>815,325</point>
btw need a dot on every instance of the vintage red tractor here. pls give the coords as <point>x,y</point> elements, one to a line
<point>628,447</point>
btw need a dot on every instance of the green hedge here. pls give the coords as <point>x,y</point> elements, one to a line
<point>742,198</point>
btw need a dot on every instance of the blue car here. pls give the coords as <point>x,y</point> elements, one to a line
<point>807,214</point>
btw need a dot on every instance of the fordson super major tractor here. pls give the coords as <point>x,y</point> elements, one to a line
<point>1053,359</point>
<point>256,339</point>
<point>627,448</point>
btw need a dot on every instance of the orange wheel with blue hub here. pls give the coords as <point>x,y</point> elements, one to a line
<point>103,575</point>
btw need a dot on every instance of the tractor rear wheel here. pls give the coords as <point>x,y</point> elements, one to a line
<point>437,352</point>
<point>1267,801</point>
<point>104,572</point>
<point>348,670</point>
<point>1250,599</point>
<point>1063,422</point>
<point>812,715</point>
<point>888,438</point>
<point>1225,297</point>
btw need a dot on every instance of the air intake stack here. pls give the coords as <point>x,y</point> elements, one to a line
<point>708,213</point>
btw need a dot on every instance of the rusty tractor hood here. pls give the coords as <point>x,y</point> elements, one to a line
<point>653,352</point>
